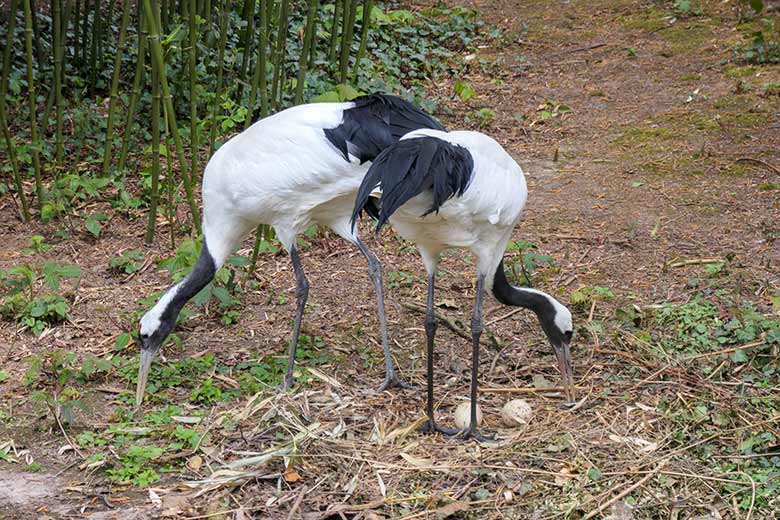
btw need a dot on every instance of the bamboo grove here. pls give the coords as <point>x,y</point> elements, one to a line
<point>111,89</point>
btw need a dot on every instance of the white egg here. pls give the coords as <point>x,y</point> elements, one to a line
<point>516,412</point>
<point>463,415</point>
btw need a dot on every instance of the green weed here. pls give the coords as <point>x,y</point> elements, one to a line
<point>22,300</point>
<point>127,263</point>
<point>530,261</point>
<point>135,466</point>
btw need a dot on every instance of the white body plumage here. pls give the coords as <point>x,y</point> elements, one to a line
<point>481,220</point>
<point>281,171</point>
<point>462,190</point>
<point>299,167</point>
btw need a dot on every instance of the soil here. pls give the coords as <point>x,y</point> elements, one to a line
<point>670,153</point>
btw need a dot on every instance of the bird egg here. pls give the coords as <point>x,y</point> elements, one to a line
<point>463,415</point>
<point>516,412</point>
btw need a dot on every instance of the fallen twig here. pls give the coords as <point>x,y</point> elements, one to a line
<point>62,429</point>
<point>723,351</point>
<point>625,492</point>
<point>695,261</point>
<point>517,390</point>
<point>578,49</point>
<point>505,316</point>
<point>449,322</point>
<point>772,168</point>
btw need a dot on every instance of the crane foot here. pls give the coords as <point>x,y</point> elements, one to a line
<point>393,380</point>
<point>430,426</point>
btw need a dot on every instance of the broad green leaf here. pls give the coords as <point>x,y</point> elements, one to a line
<point>326,97</point>
<point>122,341</point>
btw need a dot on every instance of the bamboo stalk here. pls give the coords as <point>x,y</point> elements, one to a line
<point>265,36</point>
<point>38,40</point>
<point>193,56</point>
<point>10,146</point>
<point>170,180</point>
<point>77,29</point>
<point>85,35</point>
<point>259,77</point>
<point>150,223</point>
<point>313,46</point>
<point>135,96</point>
<point>207,12</point>
<point>157,56</point>
<point>346,39</point>
<point>96,25</point>
<point>280,53</point>
<point>28,30</point>
<point>255,251</point>
<point>368,7</point>
<point>334,30</point>
<point>114,87</point>
<point>164,9</point>
<point>64,41</point>
<point>247,38</point>
<point>107,22</point>
<point>307,39</point>
<point>57,22</point>
<point>223,15</point>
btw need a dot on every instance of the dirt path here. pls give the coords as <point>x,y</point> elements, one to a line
<point>666,154</point>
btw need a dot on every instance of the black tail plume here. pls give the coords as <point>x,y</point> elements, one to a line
<point>374,123</point>
<point>412,166</point>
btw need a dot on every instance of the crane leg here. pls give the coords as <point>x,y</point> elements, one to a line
<point>476,332</point>
<point>301,295</point>
<point>430,425</point>
<point>392,379</point>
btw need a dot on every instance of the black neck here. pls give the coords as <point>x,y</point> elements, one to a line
<point>199,276</point>
<point>508,294</point>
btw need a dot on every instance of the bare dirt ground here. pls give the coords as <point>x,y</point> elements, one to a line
<point>667,159</point>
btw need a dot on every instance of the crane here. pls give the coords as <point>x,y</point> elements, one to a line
<point>299,167</point>
<point>460,189</point>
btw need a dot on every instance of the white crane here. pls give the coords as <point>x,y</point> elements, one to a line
<point>461,189</point>
<point>299,167</point>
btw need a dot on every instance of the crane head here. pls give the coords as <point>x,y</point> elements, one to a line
<point>557,326</point>
<point>153,328</point>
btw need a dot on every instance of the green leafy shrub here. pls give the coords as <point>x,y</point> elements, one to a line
<point>22,302</point>
<point>135,466</point>
<point>128,262</point>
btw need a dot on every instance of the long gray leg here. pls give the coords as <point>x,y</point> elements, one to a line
<point>476,332</point>
<point>375,272</point>
<point>430,331</point>
<point>301,295</point>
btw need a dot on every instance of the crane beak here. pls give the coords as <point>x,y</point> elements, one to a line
<point>147,356</point>
<point>563,353</point>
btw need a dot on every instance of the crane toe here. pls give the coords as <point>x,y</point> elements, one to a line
<point>393,380</point>
<point>430,426</point>
<point>469,435</point>
<point>288,382</point>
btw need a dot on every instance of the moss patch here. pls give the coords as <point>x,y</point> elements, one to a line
<point>649,20</point>
<point>687,39</point>
<point>769,186</point>
<point>734,170</point>
<point>735,71</point>
<point>744,110</point>
<point>643,135</point>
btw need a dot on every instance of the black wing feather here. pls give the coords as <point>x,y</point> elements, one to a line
<point>413,166</point>
<point>374,123</point>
